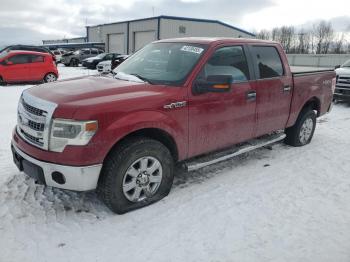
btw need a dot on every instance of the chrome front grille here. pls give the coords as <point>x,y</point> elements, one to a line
<point>33,110</point>
<point>36,126</point>
<point>34,119</point>
<point>343,85</point>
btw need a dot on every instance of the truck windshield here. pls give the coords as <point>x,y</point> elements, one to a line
<point>162,63</point>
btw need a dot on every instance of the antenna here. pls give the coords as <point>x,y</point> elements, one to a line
<point>152,10</point>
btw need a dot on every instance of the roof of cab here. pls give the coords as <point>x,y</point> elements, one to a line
<point>214,40</point>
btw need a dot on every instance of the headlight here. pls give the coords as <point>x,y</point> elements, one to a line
<point>70,132</point>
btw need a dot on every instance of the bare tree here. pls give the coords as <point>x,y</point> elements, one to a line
<point>303,42</point>
<point>264,35</point>
<point>276,34</point>
<point>324,34</point>
<point>338,45</point>
<point>287,35</point>
<point>320,40</point>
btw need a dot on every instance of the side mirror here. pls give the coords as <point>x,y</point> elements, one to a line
<point>337,66</point>
<point>213,84</point>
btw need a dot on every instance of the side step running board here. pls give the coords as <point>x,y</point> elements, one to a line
<point>200,162</point>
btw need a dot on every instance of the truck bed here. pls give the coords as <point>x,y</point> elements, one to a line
<point>302,70</point>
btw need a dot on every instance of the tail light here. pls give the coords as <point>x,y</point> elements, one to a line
<point>334,81</point>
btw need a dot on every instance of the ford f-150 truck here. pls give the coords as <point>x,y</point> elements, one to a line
<point>195,101</point>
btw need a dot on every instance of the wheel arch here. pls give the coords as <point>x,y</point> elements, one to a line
<point>154,133</point>
<point>313,103</point>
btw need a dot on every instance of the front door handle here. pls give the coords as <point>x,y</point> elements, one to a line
<point>251,96</point>
<point>286,88</point>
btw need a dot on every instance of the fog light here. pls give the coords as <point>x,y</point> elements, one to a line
<point>58,178</point>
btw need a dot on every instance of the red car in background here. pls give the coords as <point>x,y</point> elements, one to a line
<point>27,66</point>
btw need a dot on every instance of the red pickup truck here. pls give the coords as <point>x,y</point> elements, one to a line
<point>196,101</point>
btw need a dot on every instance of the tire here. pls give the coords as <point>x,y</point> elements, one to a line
<point>303,130</point>
<point>74,62</point>
<point>50,77</point>
<point>2,83</point>
<point>122,178</point>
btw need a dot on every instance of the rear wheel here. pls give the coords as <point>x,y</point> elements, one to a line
<point>303,130</point>
<point>50,77</point>
<point>2,83</point>
<point>138,173</point>
<point>74,62</point>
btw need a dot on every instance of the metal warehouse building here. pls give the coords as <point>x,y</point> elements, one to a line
<point>129,36</point>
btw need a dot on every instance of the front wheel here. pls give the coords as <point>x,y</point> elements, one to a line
<point>2,82</point>
<point>138,173</point>
<point>303,130</point>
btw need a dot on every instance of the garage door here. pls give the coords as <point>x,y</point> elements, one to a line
<point>116,43</point>
<point>143,38</point>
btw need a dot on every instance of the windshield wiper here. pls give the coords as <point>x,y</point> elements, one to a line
<point>142,78</point>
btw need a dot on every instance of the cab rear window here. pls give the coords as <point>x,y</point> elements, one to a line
<point>268,61</point>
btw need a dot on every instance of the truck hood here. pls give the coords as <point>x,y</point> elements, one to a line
<point>343,71</point>
<point>92,90</point>
<point>108,62</point>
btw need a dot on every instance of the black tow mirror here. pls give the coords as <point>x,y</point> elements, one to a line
<point>337,66</point>
<point>214,84</point>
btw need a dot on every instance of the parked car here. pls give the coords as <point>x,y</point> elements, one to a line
<point>75,58</point>
<point>342,89</point>
<point>106,67</point>
<point>123,135</point>
<point>92,62</point>
<point>58,55</point>
<point>28,48</point>
<point>27,66</point>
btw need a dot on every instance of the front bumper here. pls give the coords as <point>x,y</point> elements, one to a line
<point>77,178</point>
<point>342,97</point>
<point>89,65</point>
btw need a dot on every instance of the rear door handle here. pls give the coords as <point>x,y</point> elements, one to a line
<point>251,96</point>
<point>286,88</point>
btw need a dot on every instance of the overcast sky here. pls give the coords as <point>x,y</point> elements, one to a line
<point>30,21</point>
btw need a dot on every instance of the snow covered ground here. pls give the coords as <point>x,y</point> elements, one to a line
<point>285,204</point>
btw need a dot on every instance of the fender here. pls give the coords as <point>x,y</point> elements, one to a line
<point>298,105</point>
<point>147,119</point>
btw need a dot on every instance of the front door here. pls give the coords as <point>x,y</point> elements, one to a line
<point>218,120</point>
<point>17,68</point>
<point>273,89</point>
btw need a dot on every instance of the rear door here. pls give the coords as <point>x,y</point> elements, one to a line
<point>18,69</point>
<point>37,67</point>
<point>273,88</point>
<point>218,120</point>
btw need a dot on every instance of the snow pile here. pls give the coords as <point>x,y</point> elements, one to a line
<point>285,204</point>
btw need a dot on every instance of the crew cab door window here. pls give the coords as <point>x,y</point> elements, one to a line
<point>268,61</point>
<point>229,60</point>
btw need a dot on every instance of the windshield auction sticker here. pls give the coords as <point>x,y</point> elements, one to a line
<point>192,49</point>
